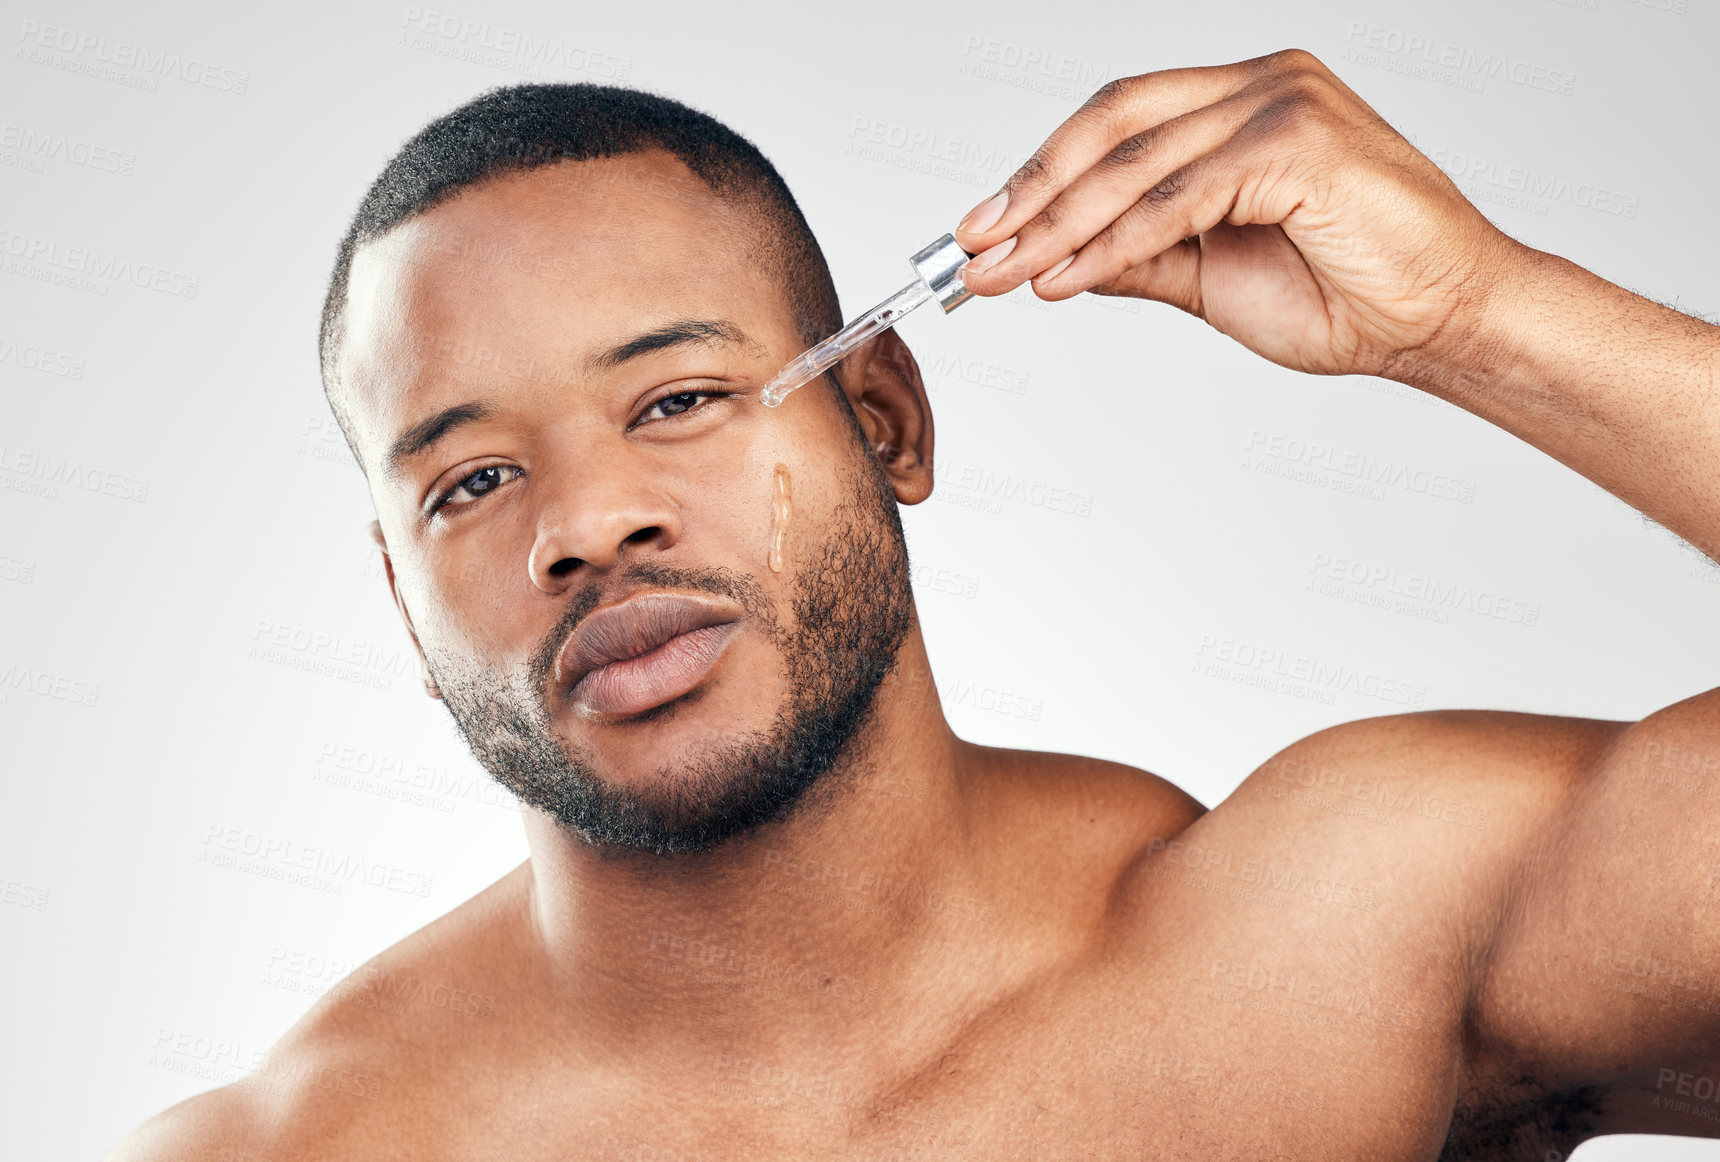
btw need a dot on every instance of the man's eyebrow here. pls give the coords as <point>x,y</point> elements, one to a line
<point>712,331</point>
<point>423,434</point>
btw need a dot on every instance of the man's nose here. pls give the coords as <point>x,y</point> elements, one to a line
<point>589,511</point>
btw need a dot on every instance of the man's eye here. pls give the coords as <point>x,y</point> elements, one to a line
<point>477,484</point>
<point>679,402</point>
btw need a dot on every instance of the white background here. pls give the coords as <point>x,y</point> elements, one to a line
<point>137,972</point>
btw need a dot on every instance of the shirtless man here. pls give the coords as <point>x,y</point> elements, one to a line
<point>775,908</point>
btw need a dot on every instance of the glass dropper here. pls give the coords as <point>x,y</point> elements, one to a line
<point>937,275</point>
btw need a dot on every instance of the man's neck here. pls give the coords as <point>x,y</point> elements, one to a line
<point>770,939</point>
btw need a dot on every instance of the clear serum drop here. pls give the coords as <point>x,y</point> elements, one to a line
<point>782,502</point>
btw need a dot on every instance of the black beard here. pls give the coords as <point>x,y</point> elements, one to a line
<point>852,611</point>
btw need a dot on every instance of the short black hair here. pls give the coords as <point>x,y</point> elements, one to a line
<point>521,127</point>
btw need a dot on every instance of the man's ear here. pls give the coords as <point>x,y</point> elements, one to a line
<point>886,393</point>
<point>376,536</point>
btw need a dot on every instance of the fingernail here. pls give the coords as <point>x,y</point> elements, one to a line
<point>985,215</point>
<point>1047,276</point>
<point>984,261</point>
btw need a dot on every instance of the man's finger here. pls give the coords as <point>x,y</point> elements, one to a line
<point>1173,277</point>
<point>1114,183</point>
<point>1119,110</point>
<point>1189,201</point>
<point>1247,181</point>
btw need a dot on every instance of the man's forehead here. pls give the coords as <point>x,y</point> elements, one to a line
<point>538,269</point>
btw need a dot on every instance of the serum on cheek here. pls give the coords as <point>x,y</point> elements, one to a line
<point>781,500</point>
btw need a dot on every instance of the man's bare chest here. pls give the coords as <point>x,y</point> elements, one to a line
<point>1236,1034</point>
<point>1228,1027</point>
<point>1231,1071</point>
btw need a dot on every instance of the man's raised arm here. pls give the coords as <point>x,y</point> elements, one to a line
<point>1271,201</point>
<point>1622,389</point>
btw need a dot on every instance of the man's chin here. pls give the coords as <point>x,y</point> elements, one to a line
<point>647,750</point>
<point>673,812</point>
<point>668,780</point>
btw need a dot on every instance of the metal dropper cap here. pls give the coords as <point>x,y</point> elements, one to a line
<point>940,268</point>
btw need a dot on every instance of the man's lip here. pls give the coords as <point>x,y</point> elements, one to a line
<point>635,685</point>
<point>647,645</point>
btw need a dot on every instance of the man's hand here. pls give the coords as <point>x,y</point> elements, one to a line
<point>1268,199</point>
<point>1264,197</point>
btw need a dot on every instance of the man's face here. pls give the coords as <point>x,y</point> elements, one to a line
<point>553,378</point>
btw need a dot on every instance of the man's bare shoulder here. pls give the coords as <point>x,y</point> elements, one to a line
<point>1430,817</point>
<point>1407,788</point>
<point>1393,806</point>
<point>341,1075</point>
<point>1519,763</point>
<point>1482,771</point>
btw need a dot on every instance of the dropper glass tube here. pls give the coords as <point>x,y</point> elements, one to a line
<point>809,365</point>
<point>937,270</point>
